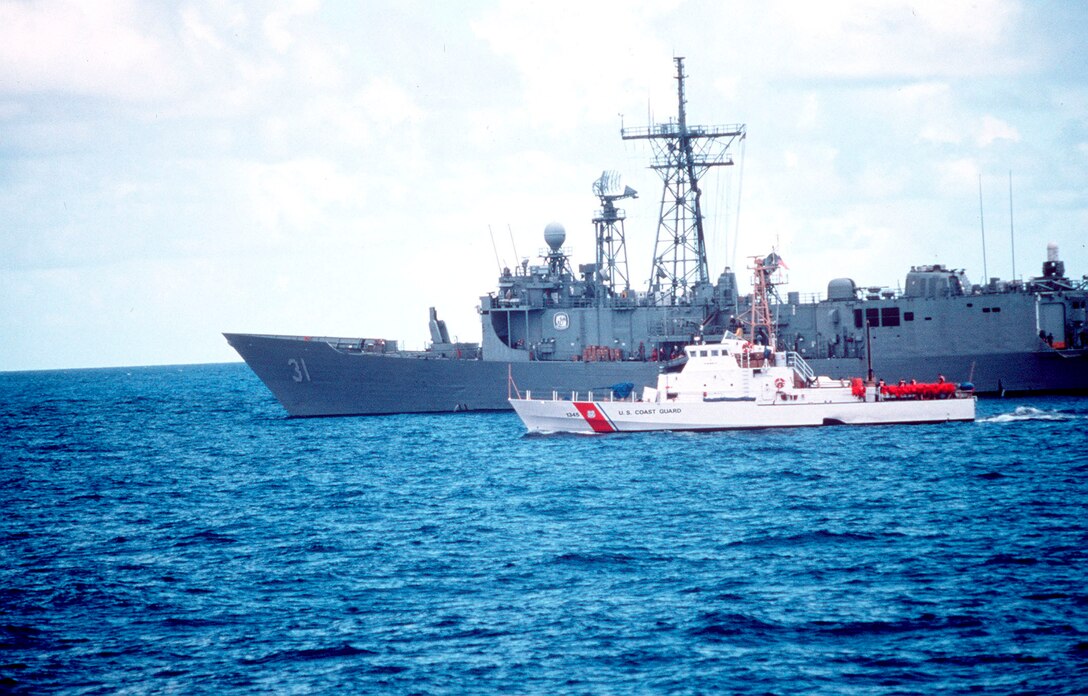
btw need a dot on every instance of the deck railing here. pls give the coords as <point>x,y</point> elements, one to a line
<point>801,367</point>
<point>605,395</point>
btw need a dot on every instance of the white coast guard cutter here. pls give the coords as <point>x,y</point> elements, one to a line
<point>738,384</point>
<point>728,385</point>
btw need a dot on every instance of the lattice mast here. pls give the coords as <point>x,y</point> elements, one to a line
<point>608,223</point>
<point>766,274</point>
<point>682,154</point>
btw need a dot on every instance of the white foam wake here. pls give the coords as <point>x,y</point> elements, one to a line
<point>1028,413</point>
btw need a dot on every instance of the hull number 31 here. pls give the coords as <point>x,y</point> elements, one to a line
<point>301,374</point>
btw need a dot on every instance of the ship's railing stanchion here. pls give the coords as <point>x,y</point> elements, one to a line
<point>511,387</point>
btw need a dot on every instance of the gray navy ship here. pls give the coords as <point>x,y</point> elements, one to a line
<point>552,327</point>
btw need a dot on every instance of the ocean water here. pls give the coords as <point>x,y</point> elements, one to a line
<point>170,530</point>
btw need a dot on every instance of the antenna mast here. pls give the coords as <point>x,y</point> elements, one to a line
<point>982,223</point>
<point>1012,237</point>
<point>682,154</point>
<point>761,324</point>
<point>608,222</point>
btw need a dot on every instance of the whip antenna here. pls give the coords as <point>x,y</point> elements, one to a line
<point>493,246</point>
<point>1012,237</point>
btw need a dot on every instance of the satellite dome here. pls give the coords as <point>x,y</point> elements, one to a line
<point>555,234</point>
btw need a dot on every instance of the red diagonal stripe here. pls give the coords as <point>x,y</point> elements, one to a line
<point>592,413</point>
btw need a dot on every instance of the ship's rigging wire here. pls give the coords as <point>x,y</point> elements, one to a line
<point>721,218</point>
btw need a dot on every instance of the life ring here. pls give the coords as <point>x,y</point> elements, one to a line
<point>747,347</point>
<point>779,383</point>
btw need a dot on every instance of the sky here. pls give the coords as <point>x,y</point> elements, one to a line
<point>171,171</point>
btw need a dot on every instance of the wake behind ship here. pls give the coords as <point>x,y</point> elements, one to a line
<point>556,328</point>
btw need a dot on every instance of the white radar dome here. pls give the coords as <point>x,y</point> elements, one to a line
<point>555,234</point>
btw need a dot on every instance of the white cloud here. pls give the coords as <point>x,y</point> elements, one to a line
<point>387,105</point>
<point>196,30</point>
<point>877,39</point>
<point>278,23</point>
<point>577,61</point>
<point>940,133</point>
<point>105,48</point>
<point>958,175</point>
<point>809,113</point>
<point>298,197</point>
<point>993,129</point>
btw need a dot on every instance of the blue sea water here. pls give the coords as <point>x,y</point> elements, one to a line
<point>170,530</point>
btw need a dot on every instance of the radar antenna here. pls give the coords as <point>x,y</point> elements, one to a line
<point>682,154</point>
<point>608,222</point>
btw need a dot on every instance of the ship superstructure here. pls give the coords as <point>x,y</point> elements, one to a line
<point>549,312</point>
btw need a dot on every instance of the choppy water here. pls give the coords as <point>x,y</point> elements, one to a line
<point>168,529</point>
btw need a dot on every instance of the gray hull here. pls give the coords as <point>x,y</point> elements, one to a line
<point>315,378</point>
<point>1048,371</point>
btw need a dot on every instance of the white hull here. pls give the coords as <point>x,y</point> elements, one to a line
<point>557,416</point>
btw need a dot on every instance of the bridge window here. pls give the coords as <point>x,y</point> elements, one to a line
<point>879,316</point>
<point>908,316</point>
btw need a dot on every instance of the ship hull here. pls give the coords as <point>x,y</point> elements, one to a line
<point>314,378</point>
<point>998,373</point>
<point>635,416</point>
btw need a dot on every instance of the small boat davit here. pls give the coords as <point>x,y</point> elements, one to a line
<point>742,383</point>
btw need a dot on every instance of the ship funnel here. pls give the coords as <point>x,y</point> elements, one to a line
<point>554,235</point>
